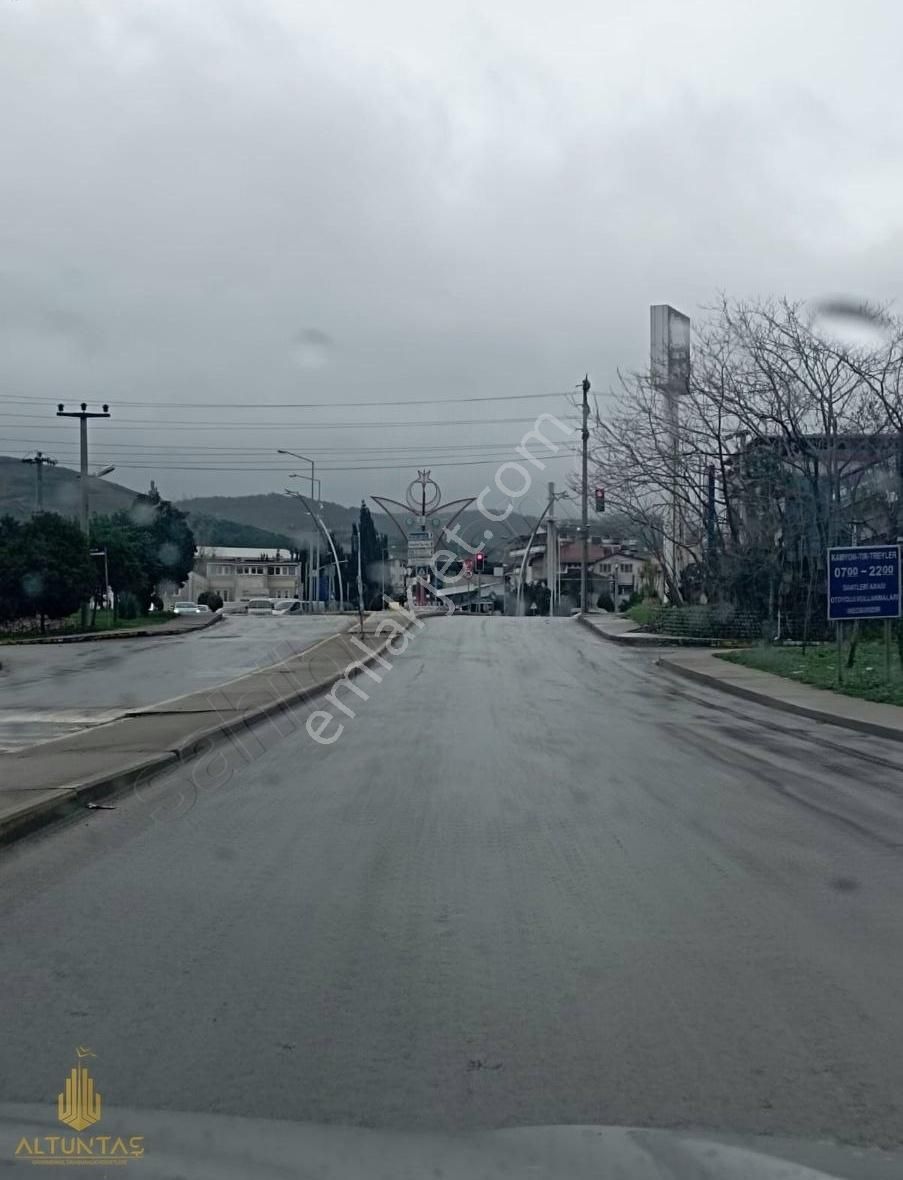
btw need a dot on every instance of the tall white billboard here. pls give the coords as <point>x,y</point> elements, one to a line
<point>669,340</point>
<point>669,357</point>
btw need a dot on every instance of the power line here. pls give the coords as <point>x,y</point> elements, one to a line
<point>355,467</point>
<point>425,450</point>
<point>217,405</point>
<point>156,424</point>
<point>122,453</point>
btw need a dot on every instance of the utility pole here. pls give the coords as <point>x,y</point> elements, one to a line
<point>40,461</point>
<point>552,553</point>
<point>584,554</point>
<point>83,414</point>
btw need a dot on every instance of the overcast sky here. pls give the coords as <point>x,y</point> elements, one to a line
<point>243,202</point>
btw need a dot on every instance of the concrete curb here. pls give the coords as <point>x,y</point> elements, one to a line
<point>188,747</point>
<point>73,796</point>
<point>873,728</point>
<point>98,636</point>
<point>652,639</point>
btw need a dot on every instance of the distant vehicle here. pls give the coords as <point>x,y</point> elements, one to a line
<point>189,608</point>
<point>287,606</point>
<point>204,609</point>
<point>260,606</point>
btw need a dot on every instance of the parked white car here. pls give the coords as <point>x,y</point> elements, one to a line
<point>287,606</point>
<point>184,607</point>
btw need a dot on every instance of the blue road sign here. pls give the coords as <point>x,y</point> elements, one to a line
<point>864,582</point>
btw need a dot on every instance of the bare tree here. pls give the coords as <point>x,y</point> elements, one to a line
<point>794,427</point>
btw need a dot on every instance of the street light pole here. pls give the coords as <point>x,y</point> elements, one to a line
<point>584,552</point>
<point>326,533</point>
<point>315,555</point>
<point>313,572</point>
<point>360,584</point>
<point>83,414</point>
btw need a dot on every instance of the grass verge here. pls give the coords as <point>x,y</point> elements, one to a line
<point>818,666</point>
<point>103,622</point>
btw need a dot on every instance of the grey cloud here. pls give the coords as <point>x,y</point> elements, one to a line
<point>311,348</point>
<point>247,202</point>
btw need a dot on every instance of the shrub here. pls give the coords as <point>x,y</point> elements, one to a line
<point>127,605</point>
<point>634,600</point>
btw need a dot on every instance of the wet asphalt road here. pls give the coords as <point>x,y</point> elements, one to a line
<point>47,690</point>
<point>533,881</point>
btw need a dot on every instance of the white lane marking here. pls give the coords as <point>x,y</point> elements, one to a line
<point>22,728</point>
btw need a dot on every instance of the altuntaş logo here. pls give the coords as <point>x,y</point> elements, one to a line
<point>79,1106</point>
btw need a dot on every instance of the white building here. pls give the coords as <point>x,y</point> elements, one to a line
<point>622,574</point>
<point>237,574</point>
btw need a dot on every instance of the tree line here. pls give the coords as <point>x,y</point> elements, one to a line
<point>790,440</point>
<point>47,571</point>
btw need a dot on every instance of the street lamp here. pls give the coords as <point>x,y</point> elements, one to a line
<point>296,475</point>
<point>315,572</point>
<point>319,522</point>
<point>103,471</point>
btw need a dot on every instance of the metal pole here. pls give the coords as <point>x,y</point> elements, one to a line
<point>315,571</point>
<point>338,568</point>
<point>83,471</point>
<point>552,552</point>
<point>360,584</point>
<point>584,555</point>
<point>523,564</point>
<point>326,534</point>
<point>887,650</point>
<point>83,414</point>
<point>40,475</point>
<point>312,555</point>
<point>839,652</point>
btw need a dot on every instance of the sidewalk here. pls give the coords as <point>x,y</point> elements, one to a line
<point>619,629</point>
<point>57,777</point>
<point>615,627</point>
<point>177,626</point>
<point>622,630</point>
<point>777,692</point>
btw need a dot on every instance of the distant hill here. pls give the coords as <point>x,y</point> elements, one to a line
<point>272,521</point>
<point>61,491</point>
<point>271,513</point>
<point>284,515</point>
<point>216,530</point>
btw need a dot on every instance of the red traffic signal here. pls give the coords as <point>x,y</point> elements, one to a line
<point>600,499</point>
<point>480,562</point>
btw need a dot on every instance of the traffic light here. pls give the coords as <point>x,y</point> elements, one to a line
<point>479,563</point>
<point>600,499</point>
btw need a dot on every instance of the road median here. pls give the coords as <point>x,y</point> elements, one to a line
<point>58,778</point>
<point>186,625</point>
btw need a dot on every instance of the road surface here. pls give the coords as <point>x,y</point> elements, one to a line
<point>50,689</point>
<point>532,881</point>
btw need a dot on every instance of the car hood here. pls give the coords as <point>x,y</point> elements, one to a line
<point>195,1147</point>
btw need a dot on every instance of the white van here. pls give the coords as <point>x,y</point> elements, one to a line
<point>287,606</point>
<point>260,606</point>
